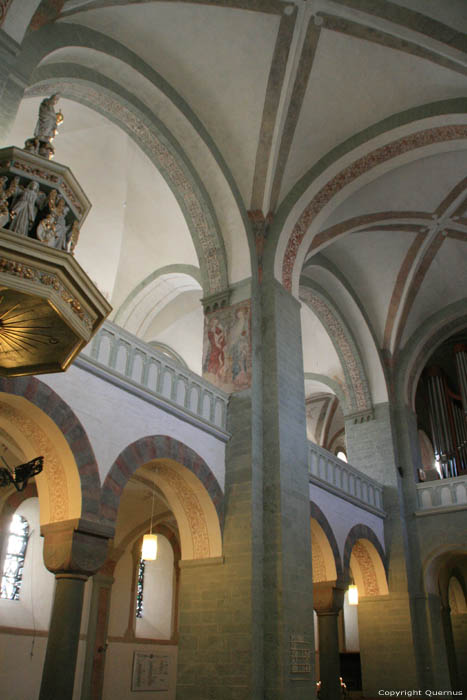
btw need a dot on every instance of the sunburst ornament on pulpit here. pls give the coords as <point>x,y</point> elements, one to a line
<point>34,336</point>
<point>20,331</point>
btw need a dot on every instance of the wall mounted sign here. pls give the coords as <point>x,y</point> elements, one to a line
<point>150,671</point>
<point>300,657</point>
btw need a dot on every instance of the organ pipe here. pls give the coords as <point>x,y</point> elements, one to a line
<point>442,422</point>
<point>460,353</point>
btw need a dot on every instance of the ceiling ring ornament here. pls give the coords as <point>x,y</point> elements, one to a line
<point>356,169</point>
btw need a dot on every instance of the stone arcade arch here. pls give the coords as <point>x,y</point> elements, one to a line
<point>42,423</point>
<point>75,542</point>
<point>364,559</point>
<point>445,580</point>
<point>328,596</point>
<point>187,482</point>
<point>165,465</point>
<point>326,559</point>
<point>356,391</point>
<point>364,556</point>
<point>110,99</point>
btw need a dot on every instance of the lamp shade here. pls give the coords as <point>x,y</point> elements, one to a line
<point>353,595</point>
<point>149,549</point>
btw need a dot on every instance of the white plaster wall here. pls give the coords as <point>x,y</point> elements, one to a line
<point>118,669</point>
<point>33,609</point>
<point>135,224</point>
<point>180,325</point>
<point>22,651</point>
<point>351,639</point>
<point>342,516</point>
<point>369,82</point>
<point>120,600</point>
<point>113,419</point>
<point>319,354</point>
<point>156,622</point>
<point>21,672</point>
<point>230,52</point>
<point>195,148</point>
<point>22,659</point>
<point>357,325</point>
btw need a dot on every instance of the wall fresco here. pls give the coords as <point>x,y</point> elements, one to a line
<point>227,347</point>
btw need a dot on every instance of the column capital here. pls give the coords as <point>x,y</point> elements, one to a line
<point>75,547</point>
<point>216,301</point>
<point>328,597</point>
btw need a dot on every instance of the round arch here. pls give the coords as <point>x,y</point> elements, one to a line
<point>126,111</point>
<point>38,419</point>
<point>188,484</point>
<point>456,595</point>
<point>326,560</point>
<point>12,500</point>
<point>364,556</point>
<point>145,294</point>
<point>196,199</point>
<point>432,333</point>
<point>377,149</point>
<point>356,389</point>
<point>440,565</point>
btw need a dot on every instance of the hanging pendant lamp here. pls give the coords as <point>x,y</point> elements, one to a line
<point>149,548</point>
<point>353,594</point>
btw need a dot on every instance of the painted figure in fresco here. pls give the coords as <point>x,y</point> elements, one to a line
<point>240,348</point>
<point>24,211</point>
<point>217,343</point>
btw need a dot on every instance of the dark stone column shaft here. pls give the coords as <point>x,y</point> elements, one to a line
<point>329,663</point>
<point>94,665</point>
<point>287,579</point>
<point>58,675</point>
<point>450,646</point>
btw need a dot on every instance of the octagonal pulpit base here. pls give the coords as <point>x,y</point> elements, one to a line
<point>49,308</point>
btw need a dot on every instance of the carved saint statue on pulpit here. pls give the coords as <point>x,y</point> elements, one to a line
<point>48,119</point>
<point>46,128</point>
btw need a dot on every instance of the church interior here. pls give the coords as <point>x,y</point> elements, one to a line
<point>246,222</point>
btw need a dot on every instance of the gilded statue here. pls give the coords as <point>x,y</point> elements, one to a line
<point>46,128</point>
<point>48,119</point>
<point>4,211</point>
<point>48,228</point>
<point>74,236</point>
<point>6,194</point>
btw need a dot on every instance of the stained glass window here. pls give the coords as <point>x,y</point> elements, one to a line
<point>14,558</point>
<point>139,589</point>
